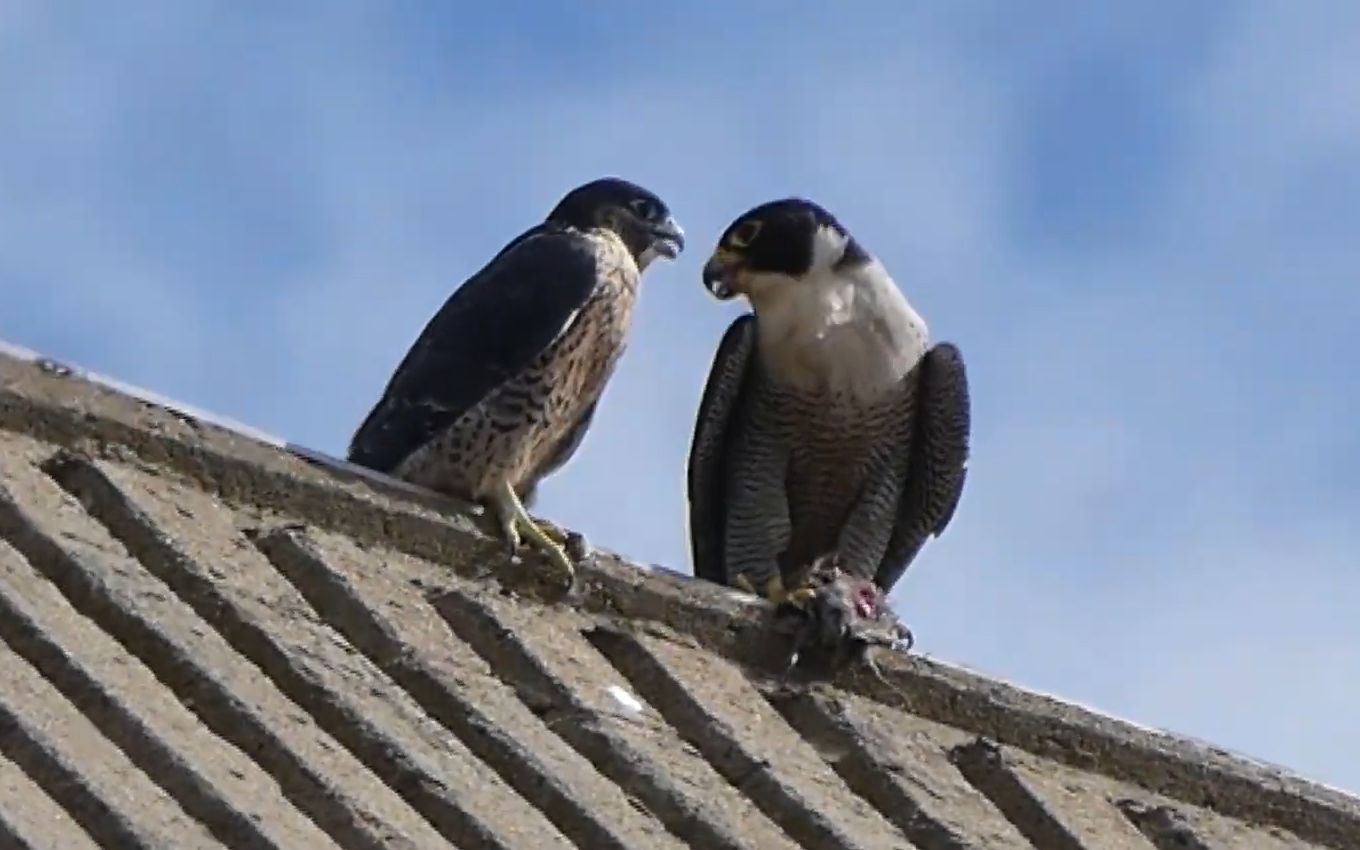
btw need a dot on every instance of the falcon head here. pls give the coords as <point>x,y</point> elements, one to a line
<point>784,243</point>
<point>640,218</point>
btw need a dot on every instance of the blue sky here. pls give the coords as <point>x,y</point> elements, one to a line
<point>1138,223</point>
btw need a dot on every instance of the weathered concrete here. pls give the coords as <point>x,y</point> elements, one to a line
<point>212,642</point>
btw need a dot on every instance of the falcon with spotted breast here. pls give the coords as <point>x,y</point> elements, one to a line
<point>500,387</point>
<point>827,425</point>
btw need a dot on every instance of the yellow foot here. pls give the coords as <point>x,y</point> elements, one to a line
<point>799,597</point>
<point>741,582</point>
<point>517,527</point>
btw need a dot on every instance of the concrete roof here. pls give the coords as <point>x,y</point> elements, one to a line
<point>209,641</point>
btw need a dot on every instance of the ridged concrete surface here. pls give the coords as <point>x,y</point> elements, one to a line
<point>208,642</point>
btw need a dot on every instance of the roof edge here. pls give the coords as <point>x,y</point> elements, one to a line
<point>85,412</point>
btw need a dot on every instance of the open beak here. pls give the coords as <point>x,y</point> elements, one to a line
<point>719,273</point>
<point>668,239</point>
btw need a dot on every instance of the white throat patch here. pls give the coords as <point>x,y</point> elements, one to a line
<point>646,257</point>
<point>851,331</point>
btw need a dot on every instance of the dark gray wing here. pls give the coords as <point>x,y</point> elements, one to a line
<point>707,475</point>
<point>487,331</point>
<point>939,457</point>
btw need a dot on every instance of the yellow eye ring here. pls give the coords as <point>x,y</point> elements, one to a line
<point>744,234</point>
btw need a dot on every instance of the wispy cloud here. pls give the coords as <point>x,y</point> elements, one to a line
<point>1135,222</point>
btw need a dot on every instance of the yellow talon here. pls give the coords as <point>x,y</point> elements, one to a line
<point>517,525</point>
<point>799,597</point>
<point>552,532</point>
<point>776,592</point>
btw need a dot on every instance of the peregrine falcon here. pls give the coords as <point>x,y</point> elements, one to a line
<point>827,426</point>
<point>500,387</point>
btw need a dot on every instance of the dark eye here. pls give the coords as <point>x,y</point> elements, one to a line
<point>745,234</point>
<point>643,208</point>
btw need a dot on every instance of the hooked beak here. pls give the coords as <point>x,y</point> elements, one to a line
<point>668,239</point>
<point>719,273</point>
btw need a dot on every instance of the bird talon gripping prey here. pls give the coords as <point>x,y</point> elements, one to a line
<point>827,423</point>
<point>499,389</point>
<point>798,597</point>
<point>775,592</point>
<point>847,617</point>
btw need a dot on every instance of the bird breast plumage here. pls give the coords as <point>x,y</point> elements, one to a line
<point>836,443</point>
<point>572,372</point>
<point>832,387</point>
<point>577,366</point>
<point>513,433</point>
<point>852,333</point>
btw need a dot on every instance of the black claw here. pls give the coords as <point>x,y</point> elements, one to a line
<point>576,546</point>
<point>906,637</point>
